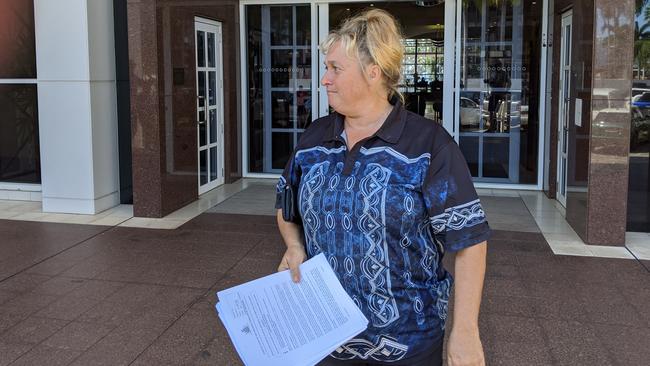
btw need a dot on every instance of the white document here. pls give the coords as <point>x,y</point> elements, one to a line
<point>274,321</point>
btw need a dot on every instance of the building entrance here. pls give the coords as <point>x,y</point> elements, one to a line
<point>485,92</point>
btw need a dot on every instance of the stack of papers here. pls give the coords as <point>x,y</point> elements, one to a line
<point>274,321</point>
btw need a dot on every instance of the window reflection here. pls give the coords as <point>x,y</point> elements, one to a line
<point>279,82</point>
<point>19,148</point>
<point>639,180</point>
<point>19,145</point>
<point>499,89</point>
<point>17,41</point>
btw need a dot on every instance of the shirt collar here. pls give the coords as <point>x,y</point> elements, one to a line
<point>390,131</point>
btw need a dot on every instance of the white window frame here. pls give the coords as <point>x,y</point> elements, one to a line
<point>219,143</point>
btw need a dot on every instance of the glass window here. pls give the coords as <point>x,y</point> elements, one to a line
<point>19,144</point>
<point>423,61</point>
<point>19,148</point>
<point>17,41</point>
<point>638,205</point>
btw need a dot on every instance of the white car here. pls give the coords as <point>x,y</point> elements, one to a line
<point>470,112</point>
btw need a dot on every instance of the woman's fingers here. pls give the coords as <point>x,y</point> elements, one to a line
<point>295,270</point>
<point>291,260</point>
<point>283,266</point>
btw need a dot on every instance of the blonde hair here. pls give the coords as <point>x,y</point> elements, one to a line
<point>373,37</point>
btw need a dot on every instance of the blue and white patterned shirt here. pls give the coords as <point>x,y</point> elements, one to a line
<point>383,214</point>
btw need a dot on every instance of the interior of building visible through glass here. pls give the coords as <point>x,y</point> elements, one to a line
<point>423,65</point>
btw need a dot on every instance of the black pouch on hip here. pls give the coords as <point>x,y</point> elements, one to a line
<point>290,212</point>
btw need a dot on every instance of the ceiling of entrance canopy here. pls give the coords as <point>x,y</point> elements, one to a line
<point>417,21</point>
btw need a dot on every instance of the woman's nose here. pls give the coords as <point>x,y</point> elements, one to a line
<point>324,81</point>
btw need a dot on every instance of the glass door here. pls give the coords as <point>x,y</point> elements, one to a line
<point>210,113</point>
<point>564,107</point>
<point>279,58</point>
<point>497,89</point>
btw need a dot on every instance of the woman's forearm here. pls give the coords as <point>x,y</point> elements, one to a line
<point>291,233</point>
<point>470,273</point>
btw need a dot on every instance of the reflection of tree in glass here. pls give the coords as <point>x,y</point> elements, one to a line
<point>18,56</point>
<point>23,161</point>
<point>642,35</point>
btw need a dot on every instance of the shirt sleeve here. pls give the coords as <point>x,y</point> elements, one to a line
<point>456,216</point>
<point>290,175</point>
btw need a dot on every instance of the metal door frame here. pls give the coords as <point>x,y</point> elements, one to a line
<point>564,107</point>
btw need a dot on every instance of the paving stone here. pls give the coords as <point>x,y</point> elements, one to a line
<point>508,328</point>
<point>627,345</point>
<point>33,330</point>
<point>504,353</point>
<point>27,304</point>
<point>575,343</point>
<point>7,295</point>
<point>9,320</point>
<point>23,282</point>
<point>9,352</point>
<point>45,355</point>
<point>122,345</point>
<point>67,308</point>
<point>181,342</point>
<point>78,336</point>
<point>51,267</point>
<point>58,286</point>
<point>97,290</point>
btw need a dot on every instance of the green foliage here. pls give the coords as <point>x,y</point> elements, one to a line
<point>642,34</point>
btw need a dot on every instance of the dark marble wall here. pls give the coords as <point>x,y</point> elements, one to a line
<point>601,77</point>
<point>163,99</point>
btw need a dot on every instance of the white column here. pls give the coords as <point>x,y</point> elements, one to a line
<point>77,105</point>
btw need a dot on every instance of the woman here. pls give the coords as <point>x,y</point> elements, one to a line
<point>384,193</point>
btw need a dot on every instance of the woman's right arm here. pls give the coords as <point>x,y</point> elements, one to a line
<point>295,253</point>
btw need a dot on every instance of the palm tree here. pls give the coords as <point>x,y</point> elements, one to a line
<point>642,35</point>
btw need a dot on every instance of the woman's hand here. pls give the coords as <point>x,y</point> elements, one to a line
<point>464,348</point>
<point>292,259</point>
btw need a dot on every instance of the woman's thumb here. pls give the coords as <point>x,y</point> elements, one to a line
<point>295,271</point>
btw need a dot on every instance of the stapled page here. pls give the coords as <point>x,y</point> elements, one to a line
<point>274,321</point>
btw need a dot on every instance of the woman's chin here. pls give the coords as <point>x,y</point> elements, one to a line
<point>333,103</point>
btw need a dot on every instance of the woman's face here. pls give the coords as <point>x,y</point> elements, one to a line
<point>348,90</point>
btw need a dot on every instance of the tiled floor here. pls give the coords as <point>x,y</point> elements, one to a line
<point>122,215</point>
<point>96,295</point>
<point>527,211</point>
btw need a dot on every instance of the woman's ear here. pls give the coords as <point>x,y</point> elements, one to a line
<point>374,73</point>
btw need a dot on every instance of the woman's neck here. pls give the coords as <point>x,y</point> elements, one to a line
<point>370,118</point>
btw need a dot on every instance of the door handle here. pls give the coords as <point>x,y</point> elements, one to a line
<point>199,98</point>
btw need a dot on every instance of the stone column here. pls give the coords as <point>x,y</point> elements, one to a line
<point>75,57</point>
<point>610,122</point>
